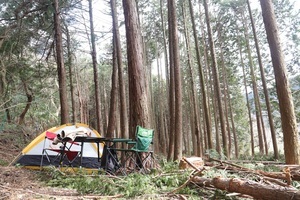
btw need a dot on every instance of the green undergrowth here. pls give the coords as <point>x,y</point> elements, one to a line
<point>3,162</point>
<point>135,185</point>
<point>159,184</point>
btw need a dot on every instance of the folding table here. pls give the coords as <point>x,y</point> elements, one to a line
<point>108,155</point>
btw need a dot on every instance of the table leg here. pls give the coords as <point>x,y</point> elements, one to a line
<point>98,151</point>
<point>62,154</point>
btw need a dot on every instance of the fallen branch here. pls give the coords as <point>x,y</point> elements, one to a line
<point>189,180</point>
<point>248,187</point>
<point>285,175</point>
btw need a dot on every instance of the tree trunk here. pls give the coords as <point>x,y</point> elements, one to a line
<point>194,103</point>
<point>225,89</point>
<point>29,95</point>
<point>95,68</point>
<point>166,125</point>
<point>207,118</point>
<point>263,79</point>
<point>138,98</point>
<point>70,64</point>
<point>111,127</point>
<point>163,142</point>
<point>122,96</point>
<point>286,106</point>
<point>60,66</point>
<point>171,89</point>
<point>216,80</point>
<point>247,98</point>
<point>248,187</point>
<point>206,73</point>
<point>254,89</point>
<point>82,98</point>
<point>177,82</point>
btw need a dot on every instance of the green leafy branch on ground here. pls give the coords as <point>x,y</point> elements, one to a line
<point>165,182</point>
<point>132,185</point>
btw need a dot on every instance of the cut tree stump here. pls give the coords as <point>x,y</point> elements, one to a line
<point>194,162</point>
<point>248,187</point>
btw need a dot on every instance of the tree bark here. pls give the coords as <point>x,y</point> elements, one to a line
<point>286,106</point>
<point>171,89</point>
<point>216,80</point>
<point>70,64</point>
<point>252,188</point>
<point>122,95</point>
<point>247,98</point>
<point>225,89</point>
<point>177,82</point>
<point>254,89</point>
<point>198,145</point>
<point>29,95</point>
<point>95,68</point>
<point>263,80</point>
<point>111,127</point>
<point>60,66</point>
<point>138,97</point>
<point>207,118</point>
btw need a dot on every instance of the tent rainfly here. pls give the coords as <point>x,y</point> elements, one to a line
<point>31,155</point>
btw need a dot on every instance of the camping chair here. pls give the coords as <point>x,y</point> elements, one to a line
<point>140,154</point>
<point>59,154</point>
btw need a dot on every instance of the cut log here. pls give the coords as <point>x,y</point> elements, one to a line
<point>248,187</point>
<point>196,163</point>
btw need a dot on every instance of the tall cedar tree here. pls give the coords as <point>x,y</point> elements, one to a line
<point>286,106</point>
<point>195,119</point>
<point>216,80</point>
<point>118,51</point>
<point>177,81</point>
<point>60,65</point>
<point>111,126</point>
<point>171,91</point>
<point>254,87</point>
<point>96,77</point>
<point>207,118</point>
<point>138,97</point>
<point>70,65</point>
<point>264,84</point>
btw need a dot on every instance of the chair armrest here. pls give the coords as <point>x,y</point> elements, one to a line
<point>131,142</point>
<point>121,140</point>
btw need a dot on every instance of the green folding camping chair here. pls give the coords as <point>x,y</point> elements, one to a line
<point>140,154</point>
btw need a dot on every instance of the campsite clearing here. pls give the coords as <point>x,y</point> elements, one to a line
<point>19,183</point>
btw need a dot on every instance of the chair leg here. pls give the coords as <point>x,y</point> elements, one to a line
<point>147,162</point>
<point>131,160</point>
<point>42,160</point>
<point>116,165</point>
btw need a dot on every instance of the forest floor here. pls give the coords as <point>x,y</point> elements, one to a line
<point>19,183</point>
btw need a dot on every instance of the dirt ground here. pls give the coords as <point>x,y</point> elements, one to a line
<point>22,184</point>
<point>17,183</point>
